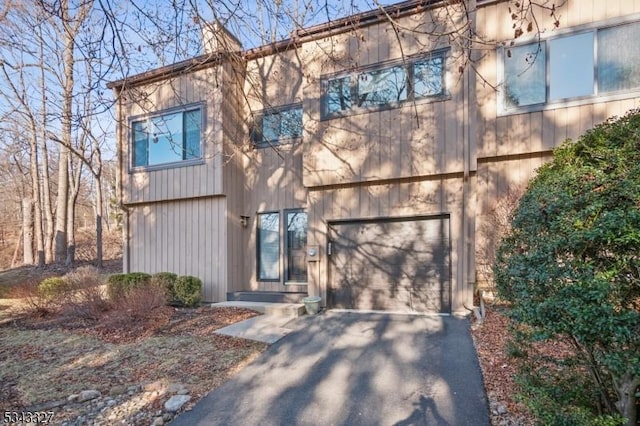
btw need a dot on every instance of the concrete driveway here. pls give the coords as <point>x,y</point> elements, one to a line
<point>346,368</point>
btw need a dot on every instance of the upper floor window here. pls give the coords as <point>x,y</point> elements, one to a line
<point>278,125</point>
<point>575,66</point>
<point>384,86</point>
<point>167,137</point>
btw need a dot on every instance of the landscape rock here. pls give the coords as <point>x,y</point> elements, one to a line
<point>72,397</point>
<point>176,402</point>
<point>88,395</point>
<point>133,389</point>
<point>117,390</point>
<point>46,406</point>
<point>159,421</point>
<point>177,388</point>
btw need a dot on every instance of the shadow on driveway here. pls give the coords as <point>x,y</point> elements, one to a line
<point>346,368</point>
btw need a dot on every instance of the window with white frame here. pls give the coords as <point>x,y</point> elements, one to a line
<point>167,137</point>
<point>384,86</point>
<point>272,127</point>
<point>588,63</point>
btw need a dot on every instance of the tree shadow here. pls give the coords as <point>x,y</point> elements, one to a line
<point>425,410</point>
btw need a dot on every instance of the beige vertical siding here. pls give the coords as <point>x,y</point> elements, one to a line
<point>186,237</point>
<point>235,142</point>
<point>412,197</point>
<point>274,182</point>
<point>405,161</point>
<point>175,182</point>
<point>261,179</point>
<point>453,155</point>
<point>512,146</point>
<point>417,139</point>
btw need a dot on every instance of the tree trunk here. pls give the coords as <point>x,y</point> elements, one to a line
<point>27,231</point>
<point>627,401</point>
<point>46,205</point>
<point>62,205</point>
<point>46,178</point>
<point>71,212</point>
<point>35,193</point>
<point>98,182</point>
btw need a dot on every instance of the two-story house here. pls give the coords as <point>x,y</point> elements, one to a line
<point>362,159</point>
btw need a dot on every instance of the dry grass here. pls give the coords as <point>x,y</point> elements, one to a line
<point>47,359</point>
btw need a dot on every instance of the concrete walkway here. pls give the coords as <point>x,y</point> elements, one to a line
<point>263,328</point>
<point>356,369</point>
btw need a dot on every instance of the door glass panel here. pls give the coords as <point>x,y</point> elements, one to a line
<point>268,246</point>
<point>297,246</point>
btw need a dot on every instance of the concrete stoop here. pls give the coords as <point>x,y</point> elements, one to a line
<point>268,308</point>
<point>270,327</point>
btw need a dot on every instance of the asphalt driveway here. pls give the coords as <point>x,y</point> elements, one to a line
<point>345,368</point>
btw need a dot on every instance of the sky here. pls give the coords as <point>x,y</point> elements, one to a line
<point>154,33</point>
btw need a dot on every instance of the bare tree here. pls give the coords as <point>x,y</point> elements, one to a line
<point>56,74</point>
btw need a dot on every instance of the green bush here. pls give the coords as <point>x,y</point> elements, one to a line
<point>570,266</point>
<point>166,281</point>
<point>118,285</point>
<point>188,290</point>
<point>54,288</point>
<point>560,396</point>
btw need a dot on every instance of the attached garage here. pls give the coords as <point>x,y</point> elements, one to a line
<point>397,264</point>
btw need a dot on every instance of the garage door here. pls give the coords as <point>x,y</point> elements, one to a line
<point>393,265</point>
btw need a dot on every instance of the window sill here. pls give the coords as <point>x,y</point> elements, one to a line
<point>165,166</point>
<point>387,107</point>
<point>292,283</point>
<point>567,103</point>
<point>279,142</point>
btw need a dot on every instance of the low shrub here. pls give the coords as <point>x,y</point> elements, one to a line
<point>54,289</point>
<point>33,304</point>
<point>558,396</point>
<point>188,290</point>
<point>166,281</point>
<point>86,298</point>
<point>119,284</point>
<point>138,302</point>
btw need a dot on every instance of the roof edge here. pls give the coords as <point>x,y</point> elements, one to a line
<point>300,36</point>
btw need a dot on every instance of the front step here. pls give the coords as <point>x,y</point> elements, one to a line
<point>266,296</point>
<point>267,308</point>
